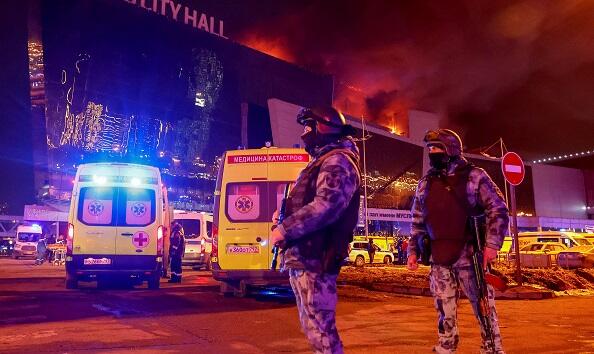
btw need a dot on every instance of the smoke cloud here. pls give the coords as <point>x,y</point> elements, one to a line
<point>522,70</point>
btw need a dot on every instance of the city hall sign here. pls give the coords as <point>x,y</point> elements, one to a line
<point>181,13</point>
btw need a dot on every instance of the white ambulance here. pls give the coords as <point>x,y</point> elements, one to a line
<point>198,235</point>
<point>26,241</point>
<point>118,222</point>
<point>250,187</point>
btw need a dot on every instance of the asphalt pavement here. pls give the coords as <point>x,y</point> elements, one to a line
<point>38,315</point>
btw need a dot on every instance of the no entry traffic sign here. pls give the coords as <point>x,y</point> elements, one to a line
<point>513,168</point>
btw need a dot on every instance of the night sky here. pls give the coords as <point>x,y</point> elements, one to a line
<point>520,70</point>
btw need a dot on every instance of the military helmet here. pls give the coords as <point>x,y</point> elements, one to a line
<point>446,139</point>
<point>326,120</point>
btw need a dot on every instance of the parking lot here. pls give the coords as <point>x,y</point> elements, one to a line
<point>38,315</point>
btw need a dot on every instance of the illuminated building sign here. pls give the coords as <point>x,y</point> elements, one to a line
<point>181,13</point>
<point>385,215</point>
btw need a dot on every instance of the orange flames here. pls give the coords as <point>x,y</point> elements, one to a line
<point>274,47</point>
<point>375,106</point>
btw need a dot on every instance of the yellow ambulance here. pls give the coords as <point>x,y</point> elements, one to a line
<point>249,188</point>
<point>117,224</point>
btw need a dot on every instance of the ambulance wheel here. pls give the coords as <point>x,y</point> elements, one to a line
<point>387,260</point>
<point>71,282</point>
<point>360,261</point>
<point>154,282</point>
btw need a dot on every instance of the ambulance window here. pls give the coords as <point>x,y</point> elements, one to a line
<point>95,206</point>
<point>28,237</point>
<point>139,207</point>
<point>582,241</point>
<point>191,227</point>
<point>280,193</point>
<point>209,228</point>
<point>245,202</point>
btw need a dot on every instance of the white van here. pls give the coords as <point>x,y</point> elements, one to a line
<point>118,221</point>
<point>250,187</point>
<point>26,241</point>
<point>198,235</point>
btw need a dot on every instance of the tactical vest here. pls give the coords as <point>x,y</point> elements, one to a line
<point>447,214</point>
<point>330,244</point>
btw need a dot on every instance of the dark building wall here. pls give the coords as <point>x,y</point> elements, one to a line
<point>136,62</point>
<point>524,192</point>
<point>263,77</point>
<point>16,151</point>
<point>589,182</point>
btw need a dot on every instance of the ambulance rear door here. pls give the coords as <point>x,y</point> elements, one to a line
<point>245,242</point>
<point>94,213</point>
<point>137,221</point>
<point>284,168</point>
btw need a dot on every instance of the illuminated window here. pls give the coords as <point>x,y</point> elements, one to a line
<point>200,100</point>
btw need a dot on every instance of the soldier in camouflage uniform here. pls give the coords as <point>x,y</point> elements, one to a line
<point>321,214</point>
<point>439,213</point>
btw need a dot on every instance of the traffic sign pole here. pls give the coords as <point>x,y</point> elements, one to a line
<point>514,229</point>
<point>514,171</point>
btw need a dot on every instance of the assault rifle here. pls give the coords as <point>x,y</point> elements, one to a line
<point>483,278</point>
<point>280,218</point>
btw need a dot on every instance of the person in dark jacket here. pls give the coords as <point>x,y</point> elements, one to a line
<point>176,252</point>
<point>321,214</point>
<point>41,251</point>
<point>371,249</point>
<point>452,191</point>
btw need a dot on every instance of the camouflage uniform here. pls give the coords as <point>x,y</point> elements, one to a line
<point>447,280</point>
<point>316,302</point>
<point>315,290</point>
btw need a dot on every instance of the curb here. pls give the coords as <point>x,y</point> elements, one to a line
<point>529,295</point>
<point>416,291</point>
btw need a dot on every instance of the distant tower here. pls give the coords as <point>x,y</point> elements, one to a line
<point>205,84</point>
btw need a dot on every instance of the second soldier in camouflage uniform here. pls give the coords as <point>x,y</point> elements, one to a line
<point>321,213</point>
<point>451,191</point>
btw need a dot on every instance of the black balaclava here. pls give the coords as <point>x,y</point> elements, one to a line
<point>439,160</point>
<point>314,139</point>
<point>449,142</point>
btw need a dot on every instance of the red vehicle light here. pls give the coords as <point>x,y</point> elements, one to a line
<point>69,239</point>
<point>215,241</point>
<point>160,240</point>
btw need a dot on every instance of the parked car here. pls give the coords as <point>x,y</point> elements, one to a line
<point>358,254</point>
<point>543,248</point>
<point>569,239</point>
<point>577,257</point>
<point>539,248</point>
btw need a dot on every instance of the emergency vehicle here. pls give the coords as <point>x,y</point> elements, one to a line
<point>117,224</point>
<point>26,241</point>
<point>250,187</point>
<point>198,235</point>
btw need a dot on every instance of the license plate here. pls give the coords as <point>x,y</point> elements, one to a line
<point>245,249</point>
<point>94,261</point>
